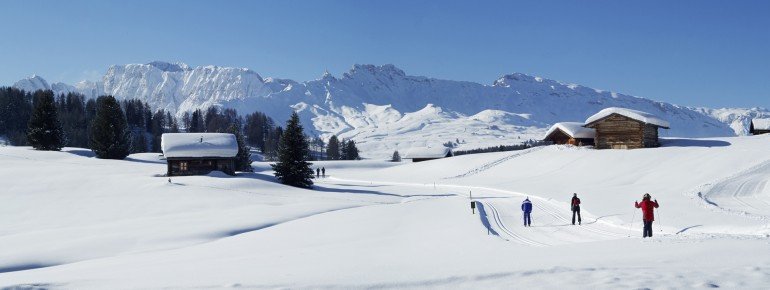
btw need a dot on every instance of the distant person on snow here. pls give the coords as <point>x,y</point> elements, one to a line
<point>317,172</point>
<point>576,209</point>
<point>648,206</point>
<point>323,171</point>
<point>526,207</point>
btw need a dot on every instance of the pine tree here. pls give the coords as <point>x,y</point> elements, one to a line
<point>272,142</point>
<point>138,142</point>
<point>110,138</point>
<point>196,122</point>
<point>343,150</point>
<point>396,157</point>
<point>292,167</point>
<point>243,159</point>
<point>45,132</point>
<point>173,126</point>
<point>351,151</point>
<point>333,148</point>
<point>186,122</point>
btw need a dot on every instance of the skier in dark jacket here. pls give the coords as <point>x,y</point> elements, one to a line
<point>323,171</point>
<point>648,207</point>
<point>526,207</point>
<point>576,209</point>
<point>317,172</point>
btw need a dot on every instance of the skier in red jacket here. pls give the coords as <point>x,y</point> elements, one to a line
<point>648,206</point>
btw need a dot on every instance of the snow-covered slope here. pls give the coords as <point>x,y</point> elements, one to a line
<point>374,104</point>
<point>77,222</point>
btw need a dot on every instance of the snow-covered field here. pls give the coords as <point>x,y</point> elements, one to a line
<point>71,221</point>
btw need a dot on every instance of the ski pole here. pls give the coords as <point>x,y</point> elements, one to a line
<point>632,223</point>
<point>660,224</point>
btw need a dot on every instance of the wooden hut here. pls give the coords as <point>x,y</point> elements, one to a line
<point>620,128</point>
<point>428,153</point>
<point>199,153</point>
<point>572,133</point>
<point>759,126</point>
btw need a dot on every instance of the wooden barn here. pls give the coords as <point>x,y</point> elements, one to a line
<point>199,153</point>
<point>620,128</point>
<point>572,133</point>
<point>759,126</point>
<point>428,153</point>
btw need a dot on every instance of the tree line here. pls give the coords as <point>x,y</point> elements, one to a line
<point>525,145</point>
<point>114,129</point>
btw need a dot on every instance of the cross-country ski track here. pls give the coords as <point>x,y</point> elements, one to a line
<point>500,210</point>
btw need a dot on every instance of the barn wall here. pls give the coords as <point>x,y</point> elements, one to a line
<point>200,166</point>
<point>651,136</point>
<point>558,137</point>
<point>617,131</point>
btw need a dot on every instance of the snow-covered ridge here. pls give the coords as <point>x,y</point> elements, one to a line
<point>378,104</point>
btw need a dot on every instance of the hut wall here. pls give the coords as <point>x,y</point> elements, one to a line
<point>619,132</point>
<point>651,136</point>
<point>559,137</point>
<point>199,166</point>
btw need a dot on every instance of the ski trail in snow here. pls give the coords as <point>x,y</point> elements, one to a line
<point>492,164</point>
<point>745,193</point>
<point>508,233</point>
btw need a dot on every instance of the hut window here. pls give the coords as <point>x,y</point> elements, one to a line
<point>183,166</point>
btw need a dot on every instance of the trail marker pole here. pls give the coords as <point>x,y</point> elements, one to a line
<point>473,204</point>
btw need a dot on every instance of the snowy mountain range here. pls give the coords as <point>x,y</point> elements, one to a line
<point>384,109</point>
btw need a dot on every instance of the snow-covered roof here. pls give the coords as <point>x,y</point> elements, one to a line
<point>633,114</point>
<point>199,145</point>
<point>574,129</point>
<point>428,152</point>
<point>761,124</point>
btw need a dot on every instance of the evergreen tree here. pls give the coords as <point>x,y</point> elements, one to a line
<point>196,122</point>
<point>292,167</point>
<point>272,143</point>
<point>71,109</point>
<point>396,157</point>
<point>333,148</point>
<point>157,128</point>
<point>138,142</point>
<point>186,121</point>
<point>110,138</point>
<point>243,159</point>
<point>351,151</point>
<point>45,131</point>
<point>256,130</point>
<point>171,123</point>
<point>343,150</point>
<point>15,112</point>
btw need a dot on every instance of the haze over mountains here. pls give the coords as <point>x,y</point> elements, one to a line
<point>384,109</point>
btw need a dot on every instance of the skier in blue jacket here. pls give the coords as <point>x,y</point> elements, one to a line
<point>526,207</point>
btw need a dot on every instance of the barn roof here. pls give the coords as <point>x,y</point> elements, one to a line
<point>573,129</point>
<point>640,116</point>
<point>428,152</point>
<point>761,124</point>
<point>199,145</point>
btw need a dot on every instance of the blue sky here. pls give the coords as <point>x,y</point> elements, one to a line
<point>694,53</point>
